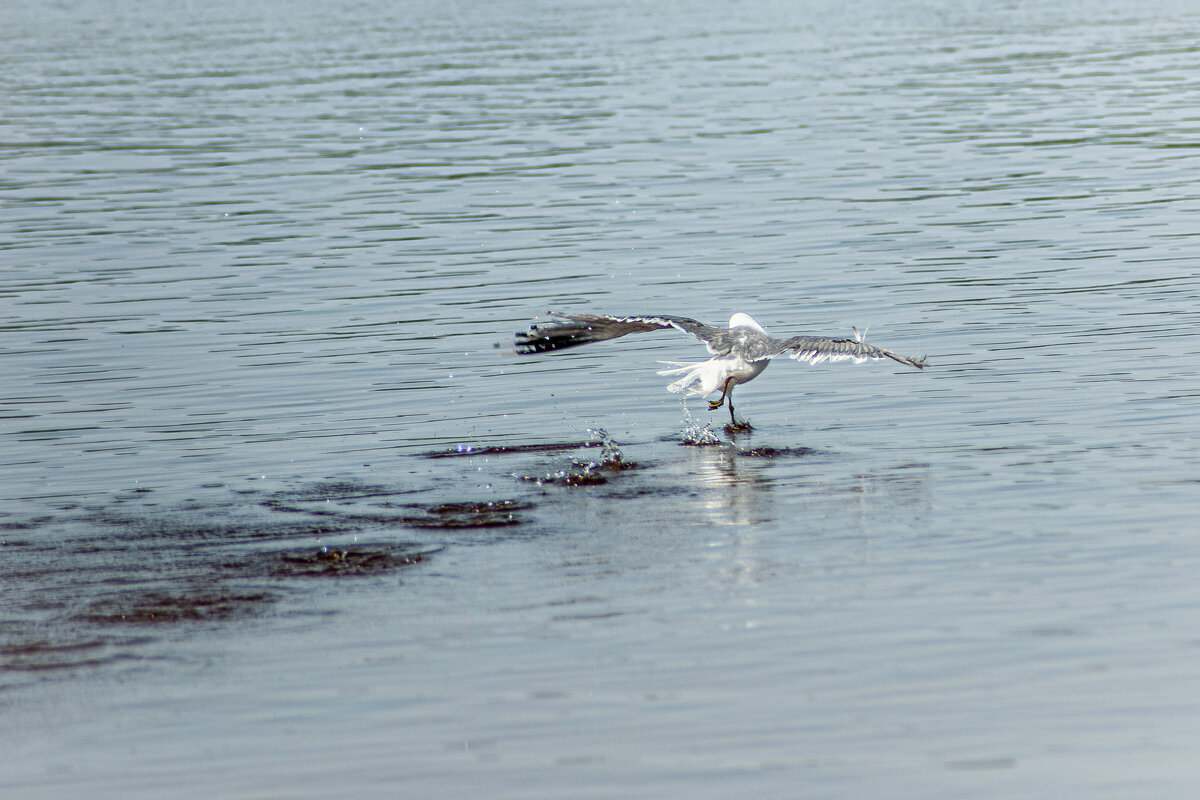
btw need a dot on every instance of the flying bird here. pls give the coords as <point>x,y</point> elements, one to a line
<point>739,352</point>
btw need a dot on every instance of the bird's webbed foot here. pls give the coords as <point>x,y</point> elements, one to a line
<point>713,405</point>
<point>736,425</point>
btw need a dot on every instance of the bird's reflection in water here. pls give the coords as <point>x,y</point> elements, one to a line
<point>732,486</point>
<point>741,484</point>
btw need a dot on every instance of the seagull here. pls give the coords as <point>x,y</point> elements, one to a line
<point>739,353</point>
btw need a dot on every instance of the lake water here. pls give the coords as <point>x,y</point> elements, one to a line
<point>284,515</point>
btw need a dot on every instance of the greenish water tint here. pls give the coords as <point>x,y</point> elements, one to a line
<point>283,513</point>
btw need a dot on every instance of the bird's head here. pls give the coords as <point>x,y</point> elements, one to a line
<point>740,320</point>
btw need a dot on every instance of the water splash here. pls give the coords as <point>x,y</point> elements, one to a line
<point>610,453</point>
<point>591,472</point>
<point>695,433</point>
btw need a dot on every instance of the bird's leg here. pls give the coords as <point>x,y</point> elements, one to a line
<point>734,426</point>
<point>713,405</point>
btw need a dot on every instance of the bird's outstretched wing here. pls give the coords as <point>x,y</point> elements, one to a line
<point>815,349</point>
<point>572,330</point>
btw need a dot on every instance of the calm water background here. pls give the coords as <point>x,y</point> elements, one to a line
<point>283,515</point>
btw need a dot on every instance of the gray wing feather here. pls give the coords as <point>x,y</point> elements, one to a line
<point>815,349</point>
<point>573,330</point>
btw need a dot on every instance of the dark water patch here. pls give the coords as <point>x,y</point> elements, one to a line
<point>335,519</point>
<point>508,449</point>
<point>588,473</point>
<point>465,514</point>
<point>23,524</point>
<point>328,562</point>
<point>469,514</point>
<point>583,473</point>
<point>70,580</point>
<point>173,607</point>
<point>343,504</point>
<point>623,493</point>
<point>46,655</point>
<point>586,476</point>
<point>694,438</point>
<point>775,452</point>
<point>289,508</point>
<point>335,491</point>
<point>191,529</point>
<point>580,472</point>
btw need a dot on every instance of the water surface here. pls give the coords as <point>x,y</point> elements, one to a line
<point>283,513</point>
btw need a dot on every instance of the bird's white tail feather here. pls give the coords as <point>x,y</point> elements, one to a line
<point>708,374</point>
